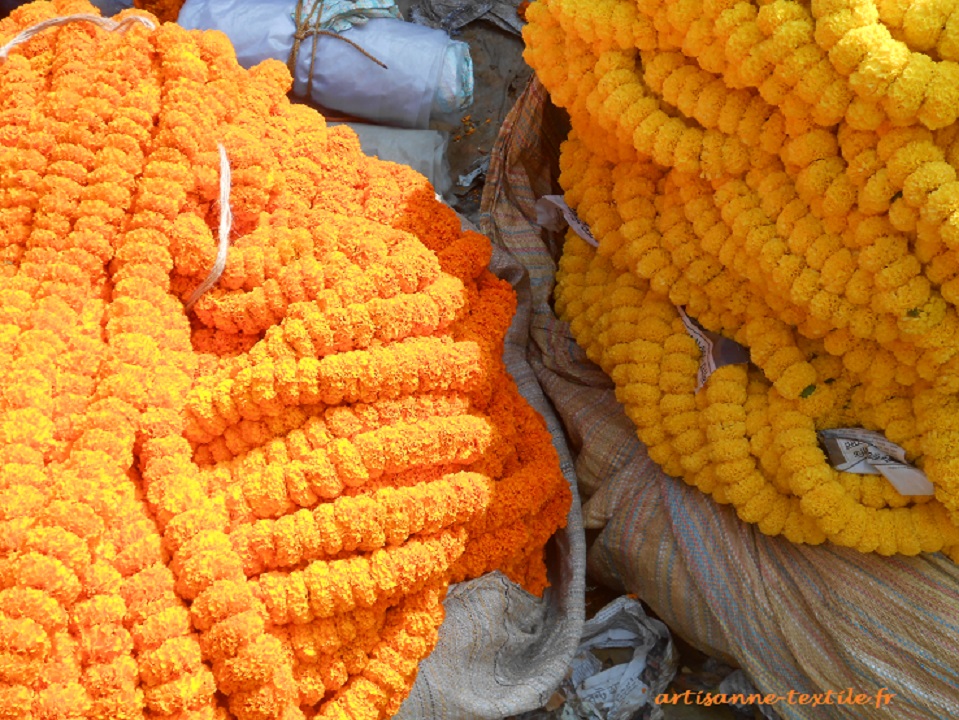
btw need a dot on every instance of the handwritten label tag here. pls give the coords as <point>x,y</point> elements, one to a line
<point>865,452</point>
<point>715,349</point>
<point>552,211</point>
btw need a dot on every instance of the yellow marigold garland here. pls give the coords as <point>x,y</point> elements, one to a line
<point>738,439</point>
<point>267,498</point>
<point>787,175</point>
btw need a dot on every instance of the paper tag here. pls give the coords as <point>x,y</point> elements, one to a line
<point>715,349</point>
<point>865,452</point>
<point>552,210</point>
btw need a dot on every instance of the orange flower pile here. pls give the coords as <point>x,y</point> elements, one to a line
<point>252,510</point>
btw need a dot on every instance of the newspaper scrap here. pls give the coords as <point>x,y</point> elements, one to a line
<point>478,169</point>
<point>624,660</point>
<point>865,452</point>
<point>715,349</point>
<point>552,213</point>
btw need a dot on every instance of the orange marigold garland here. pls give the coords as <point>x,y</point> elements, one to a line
<point>269,496</point>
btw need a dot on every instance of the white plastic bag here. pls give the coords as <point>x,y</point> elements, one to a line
<point>427,73</point>
<point>422,150</point>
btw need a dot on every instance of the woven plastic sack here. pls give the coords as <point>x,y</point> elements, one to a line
<point>795,618</point>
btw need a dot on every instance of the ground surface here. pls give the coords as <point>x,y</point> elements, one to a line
<point>499,77</point>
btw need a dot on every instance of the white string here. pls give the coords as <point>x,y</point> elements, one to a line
<point>226,224</point>
<point>106,23</point>
<point>226,214</point>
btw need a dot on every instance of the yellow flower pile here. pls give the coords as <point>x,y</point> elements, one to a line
<point>251,509</point>
<point>787,174</point>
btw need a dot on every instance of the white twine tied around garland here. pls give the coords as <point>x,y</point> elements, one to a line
<point>108,24</point>
<point>226,224</point>
<point>226,214</point>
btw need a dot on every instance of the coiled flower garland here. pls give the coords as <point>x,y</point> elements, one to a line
<point>253,511</point>
<point>787,175</point>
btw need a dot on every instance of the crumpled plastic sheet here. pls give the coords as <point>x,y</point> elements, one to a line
<point>452,15</point>
<point>624,660</point>
<point>340,15</point>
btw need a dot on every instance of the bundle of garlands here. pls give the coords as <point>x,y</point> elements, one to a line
<point>786,175</point>
<point>253,507</point>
